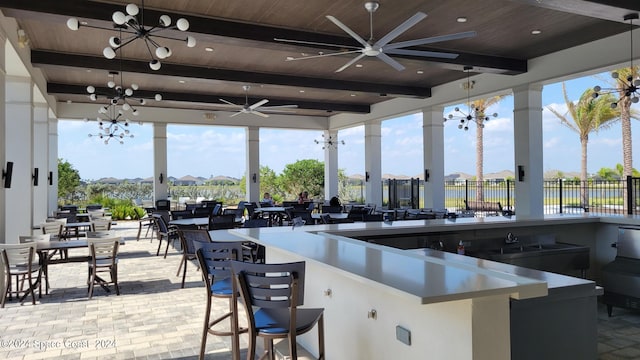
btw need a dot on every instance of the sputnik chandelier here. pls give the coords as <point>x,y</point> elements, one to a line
<point>111,125</point>
<point>119,94</point>
<point>629,87</point>
<point>473,114</point>
<point>329,142</point>
<point>134,29</point>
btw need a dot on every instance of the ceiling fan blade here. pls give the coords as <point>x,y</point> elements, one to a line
<point>258,104</point>
<point>431,40</point>
<point>278,107</point>
<point>401,28</point>
<point>346,29</point>
<point>236,114</point>
<point>353,61</point>
<point>228,102</point>
<point>324,55</point>
<point>434,54</point>
<point>314,43</point>
<point>394,64</point>
<point>259,113</point>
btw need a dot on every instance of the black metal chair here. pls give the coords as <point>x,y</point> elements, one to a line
<point>372,217</point>
<point>202,211</point>
<point>188,238</point>
<point>224,221</point>
<point>163,205</point>
<point>331,209</point>
<point>214,259</point>
<point>271,294</point>
<point>181,214</point>
<point>165,231</point>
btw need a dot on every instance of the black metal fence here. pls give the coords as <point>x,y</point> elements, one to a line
<point>560,196</point>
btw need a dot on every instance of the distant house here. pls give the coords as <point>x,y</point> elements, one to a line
<point>109,180</point>
<point>188,180</point>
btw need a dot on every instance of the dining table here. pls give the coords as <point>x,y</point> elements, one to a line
<point>44,247</point>
<point>200,222</point>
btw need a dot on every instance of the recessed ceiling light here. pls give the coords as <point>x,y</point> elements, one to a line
<point>419,72</point>
<point>68,101</point>
<point>301,91</point>
<point>358,65</point>
<point>181,81</point>
<point>88,70</point>
<point>83,23</point>
<point>536,32</point>
<point>209,49</point>
<point>289,58</point>
<point>461,19</point>
<point>353,95</point>
<point>304,54</point>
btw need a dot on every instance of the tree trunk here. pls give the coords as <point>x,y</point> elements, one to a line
<point>584,198</point>
<point>479,159</point>
<point>627,154</point>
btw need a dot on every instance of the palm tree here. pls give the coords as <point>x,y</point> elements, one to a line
<point>481,106</point>
<point>624,106</point>
<point>588,114</point>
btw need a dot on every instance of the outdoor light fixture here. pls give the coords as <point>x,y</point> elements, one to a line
<point>112,127</point>
<point>520,173</point>
<point>473,114</point>
<point>134,29</point>
<point>629,87</point>
<point>161,178</point>
<point>50,178</point>
<point>366,176</point>
<point>34,176</point>
<point>254,177</point>
<point>426,175</point>
<point>118,94</point>
<point>7,175</point>
<point>329,142</point>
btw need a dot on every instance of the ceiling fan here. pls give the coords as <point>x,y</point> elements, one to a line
<point>383,46</point>
<point>253,109</point>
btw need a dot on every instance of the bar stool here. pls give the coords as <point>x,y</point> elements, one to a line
<point>214,261</point>
<point>271,294</point>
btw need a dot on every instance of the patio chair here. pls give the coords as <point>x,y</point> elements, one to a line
<point>56,231</point>
<point>165,231</point>
<point>19,262</point>
<point>188,237</point>
<point>224,221</point>
<point>214,261</point>
<point>103,258</point>
<point>101,225</point>
<point>271,294</point>
<point>25,239</point>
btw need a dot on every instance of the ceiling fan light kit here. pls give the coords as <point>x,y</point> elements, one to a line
<point>134,29</point>
<point>384,45</point>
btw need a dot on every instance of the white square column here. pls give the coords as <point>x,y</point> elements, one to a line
<point>160,176</point>
<point>331,165</point>
<point>252,175</point>
<point>527,132</point>
<point>18,149</point>
<point>433,139</point>
<point>40,162</point>
<point>373,162</point>
<point>51,175</point>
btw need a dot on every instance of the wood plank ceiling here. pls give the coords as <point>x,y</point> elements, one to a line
<point>236,47</point>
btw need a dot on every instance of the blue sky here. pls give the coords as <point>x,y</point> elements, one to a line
<point>214,150</point>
